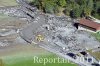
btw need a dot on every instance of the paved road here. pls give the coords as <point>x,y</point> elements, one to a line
<point>62,54</point>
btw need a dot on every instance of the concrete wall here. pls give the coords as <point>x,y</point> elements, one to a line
<point>80,27</point>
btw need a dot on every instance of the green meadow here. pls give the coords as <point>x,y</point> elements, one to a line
<point>7,3</point>
<point>29,61</point>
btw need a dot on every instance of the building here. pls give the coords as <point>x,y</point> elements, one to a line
<point>88,25</point>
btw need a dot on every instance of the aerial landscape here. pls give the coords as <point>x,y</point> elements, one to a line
<point>49,32</point>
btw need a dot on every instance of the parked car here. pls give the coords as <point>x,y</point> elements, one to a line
<point>72,55</point>
<point>88,59</point>
<point>95,64</point>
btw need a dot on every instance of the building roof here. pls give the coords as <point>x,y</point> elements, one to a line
<point>90,23</point>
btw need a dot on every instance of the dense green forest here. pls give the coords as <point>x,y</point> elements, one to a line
<point>72,8</point>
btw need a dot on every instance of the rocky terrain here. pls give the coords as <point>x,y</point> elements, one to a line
<point>59,32</point>
<point>57,29</point>
<point>62,32</point>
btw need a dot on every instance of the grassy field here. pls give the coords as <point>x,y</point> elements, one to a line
<point>7,3</point>
<point>2,16</point>
<point>23,55</point>
<point>95,54</point>
<point>96,35</point>
<point>29,61</point>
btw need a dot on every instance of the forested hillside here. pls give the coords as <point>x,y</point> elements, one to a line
<point>73,8</point>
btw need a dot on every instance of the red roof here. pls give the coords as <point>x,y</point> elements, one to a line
<point>90,23</point>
